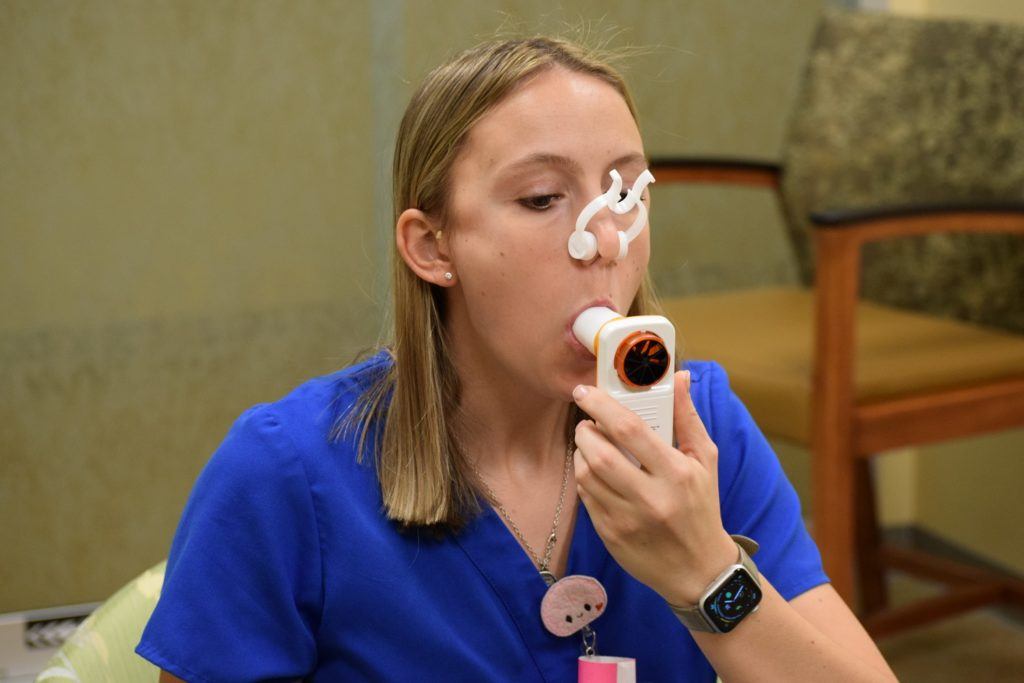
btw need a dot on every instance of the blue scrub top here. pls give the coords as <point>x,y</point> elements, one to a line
<point>284,567</point>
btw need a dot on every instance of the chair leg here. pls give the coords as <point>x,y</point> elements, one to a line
<point>871,570</point>
<point>834,512</point>
<point>832,466</point>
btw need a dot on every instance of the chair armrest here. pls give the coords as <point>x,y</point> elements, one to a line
<point>720,170</point>
<point>900,221</point>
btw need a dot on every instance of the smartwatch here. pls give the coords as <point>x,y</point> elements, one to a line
<point>730,598</point>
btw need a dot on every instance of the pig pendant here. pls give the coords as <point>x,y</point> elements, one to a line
<point>571,603</point>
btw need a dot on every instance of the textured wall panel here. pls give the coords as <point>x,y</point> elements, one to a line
<point>104,429</point>
<point>186,217</point>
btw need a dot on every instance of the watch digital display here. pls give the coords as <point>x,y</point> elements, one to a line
<point>737,597</point>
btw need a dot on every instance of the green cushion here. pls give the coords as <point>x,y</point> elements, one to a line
<point>103,646</point>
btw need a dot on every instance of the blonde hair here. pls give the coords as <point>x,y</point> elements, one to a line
<point>424,476</point>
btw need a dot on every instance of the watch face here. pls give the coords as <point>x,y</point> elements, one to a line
<point>735,599</point>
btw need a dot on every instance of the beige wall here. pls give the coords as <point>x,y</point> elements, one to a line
<point>194,218</point>
<point>184,234</point>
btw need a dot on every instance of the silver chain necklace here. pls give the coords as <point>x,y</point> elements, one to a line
<point>542,563</point>
<point>589,637</point>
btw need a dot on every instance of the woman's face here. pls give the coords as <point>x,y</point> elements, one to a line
<point>528,168</point>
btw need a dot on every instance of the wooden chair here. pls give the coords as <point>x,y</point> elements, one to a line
<point>851,378</point>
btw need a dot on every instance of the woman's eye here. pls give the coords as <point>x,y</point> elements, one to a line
<point>539,202</point>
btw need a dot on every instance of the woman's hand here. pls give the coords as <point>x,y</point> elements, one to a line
<point>661,523</point>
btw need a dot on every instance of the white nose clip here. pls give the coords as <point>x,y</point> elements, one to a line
<point>583,244</point>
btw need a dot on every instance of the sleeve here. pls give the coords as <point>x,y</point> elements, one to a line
<point>756,497</point>
<point>242,595</point>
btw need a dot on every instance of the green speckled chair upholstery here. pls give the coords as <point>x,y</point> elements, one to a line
<point>103,646</point>
<point>898,111</point>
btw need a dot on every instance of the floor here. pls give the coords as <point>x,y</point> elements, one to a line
<point>984,646</point>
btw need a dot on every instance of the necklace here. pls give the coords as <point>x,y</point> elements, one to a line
<point>541,562</point>
<point>560,609</point>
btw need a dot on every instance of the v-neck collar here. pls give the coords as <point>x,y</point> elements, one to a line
<point>505,565</point>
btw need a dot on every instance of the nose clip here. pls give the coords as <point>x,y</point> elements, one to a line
<point>583,243</point>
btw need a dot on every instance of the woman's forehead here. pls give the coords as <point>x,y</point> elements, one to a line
<point>555,118</point>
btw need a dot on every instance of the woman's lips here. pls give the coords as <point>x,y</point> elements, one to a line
<point>578,348</point>
<point>582,351</point>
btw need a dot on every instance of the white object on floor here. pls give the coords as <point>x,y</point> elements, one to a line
<point>29,639</point>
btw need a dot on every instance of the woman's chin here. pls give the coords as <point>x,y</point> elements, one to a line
<point>584,373</point>
<point>580,353</point>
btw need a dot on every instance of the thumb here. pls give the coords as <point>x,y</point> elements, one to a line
<point>680,405</point>
<point>687,426</point>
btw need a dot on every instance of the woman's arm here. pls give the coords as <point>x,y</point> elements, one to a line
<point>814,637</point>
<point>663,525</point>
<point>246,553</point>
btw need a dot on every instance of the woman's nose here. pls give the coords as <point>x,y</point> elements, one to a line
<point>606,229</point>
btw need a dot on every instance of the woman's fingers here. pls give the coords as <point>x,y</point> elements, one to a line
<point>606,507</point>
<point>594,493</point>
<point>603,461</point>
<point>623,427</point>
<point>687,427</point>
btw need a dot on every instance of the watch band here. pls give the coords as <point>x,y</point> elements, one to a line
<point>692,617</point>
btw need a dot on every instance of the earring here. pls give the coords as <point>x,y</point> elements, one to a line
<point>448,276</point>
<point>438,234</point>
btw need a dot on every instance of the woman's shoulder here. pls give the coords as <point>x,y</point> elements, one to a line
<point>703,370</point>
<point>338,387</point>
<point>743,450</point>
<point>711,393</point>
<point>301,424</point>
<point>318,402</point>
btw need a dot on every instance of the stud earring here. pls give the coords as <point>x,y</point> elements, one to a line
<point>448,276</point>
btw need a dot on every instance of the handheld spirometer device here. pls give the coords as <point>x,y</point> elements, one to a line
<point>635,361</point>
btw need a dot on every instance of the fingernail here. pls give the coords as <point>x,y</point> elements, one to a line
<point>579,392</point>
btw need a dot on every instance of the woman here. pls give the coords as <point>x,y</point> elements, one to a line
<point>295,558</point>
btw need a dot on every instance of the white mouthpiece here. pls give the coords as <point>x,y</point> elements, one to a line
<point>589,323</point>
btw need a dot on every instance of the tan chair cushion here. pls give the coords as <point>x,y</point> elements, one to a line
<point>763,338</point>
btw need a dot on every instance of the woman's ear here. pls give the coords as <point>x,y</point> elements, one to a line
<point>424,248</point>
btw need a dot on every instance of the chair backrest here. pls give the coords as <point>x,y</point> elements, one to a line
<point>103,646</point>
<point>897,111</point>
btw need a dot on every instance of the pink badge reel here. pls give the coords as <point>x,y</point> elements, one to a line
<point>595,669</point>
<point>568,607</point>
<point>571,603</point>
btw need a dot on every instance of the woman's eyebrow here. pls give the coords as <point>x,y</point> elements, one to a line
<point>632,158</point>
<point>548,159</point>
<point>541,159</point>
